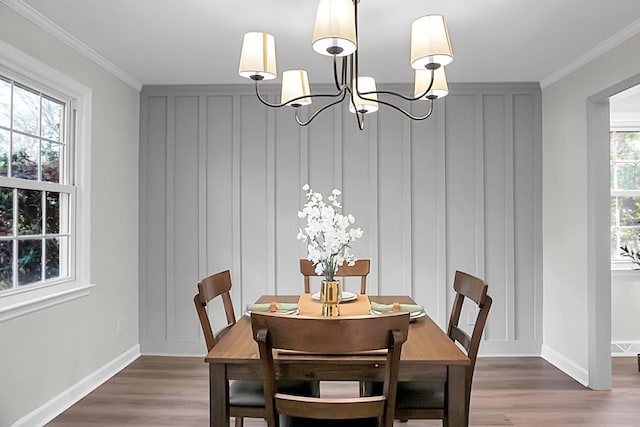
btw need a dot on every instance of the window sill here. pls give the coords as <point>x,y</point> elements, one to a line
<point>16,305</point>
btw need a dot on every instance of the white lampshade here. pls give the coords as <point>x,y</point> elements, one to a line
<point>295,83</point>
<point>430,42</point>
<point>258,57</point>
<point>439,88</point>
<point>365,84</point>
<point>335,29</point>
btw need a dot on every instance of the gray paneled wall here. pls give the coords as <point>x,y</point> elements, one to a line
<point>221,179</point>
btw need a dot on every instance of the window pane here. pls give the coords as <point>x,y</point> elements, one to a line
<point>627,145</point>
<point>29,212</point>
<point>26,110</point>
<point>52,258</point>
<point>629,237</point>
<point>628,176</point>
<point>629,211</point>
<point>6,211</point>
<point>623,237</point>
<point>5,103</point>
<point>6,265</point>
<point>50,161</point>
<point>52,114</point>
<point>53,213</point>
<point>29,261</point>
<point>4,152</point>
<point>25,157</point>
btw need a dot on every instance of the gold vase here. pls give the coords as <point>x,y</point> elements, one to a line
<point>330,297</point>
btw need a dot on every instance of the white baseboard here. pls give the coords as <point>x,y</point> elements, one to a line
<point>73,394</point>
<point>576,372</point>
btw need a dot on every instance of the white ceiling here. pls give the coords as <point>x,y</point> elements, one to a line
<point>198,41</point>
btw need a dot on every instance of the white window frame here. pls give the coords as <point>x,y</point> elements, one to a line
<point>622,265</point>
<point>27,70</point>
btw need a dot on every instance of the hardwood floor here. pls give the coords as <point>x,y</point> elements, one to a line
<point>173,391</point>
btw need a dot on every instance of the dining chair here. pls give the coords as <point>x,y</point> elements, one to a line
<point>246,398</point>
<point>331,336</point>
<point>360,269</point>
<point>427,400</point>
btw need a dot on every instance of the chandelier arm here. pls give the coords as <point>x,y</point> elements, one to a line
<point>314,115</point>
<point>359,116</point>
<point>409,115</point>
<point>362,95</point>
<point>360,119</point>
<point>316,95</point>
<point>265,102</point>
<point>345,69</point>
<point>389,92</point>
<point>335,72</point>
<point>389,104</point>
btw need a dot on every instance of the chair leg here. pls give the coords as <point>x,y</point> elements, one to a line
<point>239,422</point>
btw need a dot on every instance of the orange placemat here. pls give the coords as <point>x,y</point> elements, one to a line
<point>357,307</point>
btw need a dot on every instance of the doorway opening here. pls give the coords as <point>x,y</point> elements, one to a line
<point>624,115</point>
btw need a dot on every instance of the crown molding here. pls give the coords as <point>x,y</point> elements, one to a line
<point>613,41</point>
<point>44,23</point>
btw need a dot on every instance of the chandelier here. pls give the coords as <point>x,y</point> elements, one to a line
<point>336,35</point>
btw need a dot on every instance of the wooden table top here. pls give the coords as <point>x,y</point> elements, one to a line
<point>426,343</point>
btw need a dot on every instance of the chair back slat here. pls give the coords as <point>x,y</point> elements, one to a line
<point>361,269</point>
<point>458,335</point>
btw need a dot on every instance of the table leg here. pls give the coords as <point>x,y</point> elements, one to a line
<point>218,395</point>
<point>457,407</point>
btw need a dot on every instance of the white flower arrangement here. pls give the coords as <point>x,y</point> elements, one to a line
<point>327,233</point>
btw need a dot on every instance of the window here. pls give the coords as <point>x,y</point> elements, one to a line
<point>625,191</point>
<point>35,195</point>
<point>45,136</point>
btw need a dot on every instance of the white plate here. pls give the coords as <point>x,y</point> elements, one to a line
<point>412,316</point>
<point>290,312</point>
<point>346,296</point>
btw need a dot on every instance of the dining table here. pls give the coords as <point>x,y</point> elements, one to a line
<point>428,354</point>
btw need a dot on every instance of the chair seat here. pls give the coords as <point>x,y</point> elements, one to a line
<point>412,395</point>
<point>250,393</point>
<point>287,421</point>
